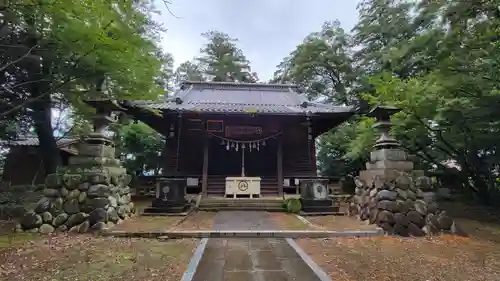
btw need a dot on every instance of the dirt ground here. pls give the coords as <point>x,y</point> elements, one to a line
<point>85,257</point>
<point>442,258</point>
<point>333,223</point>
<point>288,221</point>
<point>195,221</point>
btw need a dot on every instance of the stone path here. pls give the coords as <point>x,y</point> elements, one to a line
<point>254,259</point>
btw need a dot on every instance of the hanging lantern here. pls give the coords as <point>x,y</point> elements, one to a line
<point>227,146</point>
<point>243,146</point>
<point>236,147</point>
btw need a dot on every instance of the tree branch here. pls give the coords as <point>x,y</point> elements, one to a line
<point>18,59</point>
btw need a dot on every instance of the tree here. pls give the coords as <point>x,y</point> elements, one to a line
<point>221,60</point>
<point>188,71</point>
<point>448,96</point>
<point>68,49</point>
<point>321,65</point>
<point>141,148</point>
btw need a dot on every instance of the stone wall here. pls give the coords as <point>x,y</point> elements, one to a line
<point>91,194</point>
<point>397,204</point>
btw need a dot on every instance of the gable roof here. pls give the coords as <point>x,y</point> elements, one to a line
<point>29,141</point>
<point>229,97</point>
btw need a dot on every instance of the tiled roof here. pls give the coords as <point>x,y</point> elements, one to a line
<point>225,97</point>
<point>33,141</point>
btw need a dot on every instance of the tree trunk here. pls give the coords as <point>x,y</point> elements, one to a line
<point>42,113</point>
<point>42,119</point>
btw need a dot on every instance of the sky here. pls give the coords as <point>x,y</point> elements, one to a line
<point>267,30</point>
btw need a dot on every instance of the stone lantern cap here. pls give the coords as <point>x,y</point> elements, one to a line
<point>383,112</point>
<point>383,115</point>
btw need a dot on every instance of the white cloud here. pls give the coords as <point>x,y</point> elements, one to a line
<point>268,30</point>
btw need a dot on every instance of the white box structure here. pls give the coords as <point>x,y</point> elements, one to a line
<point>247,186</point>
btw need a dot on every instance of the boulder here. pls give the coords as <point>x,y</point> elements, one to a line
<point>84,186</point>
<point>47,217</point>
<point>71,206</point>
<point>31,220</point>
<point>62,228</point>
<point>76,219</point>
<point>122,211</point>
<point>98,190</point>
<point>113,202</point>
<point>99,226</point>
<point>125,199</point>
<point>457,230</point>
<point>415,218</point>
<point>414,230</point>
<point>53,181</point>
<point>46,229</point>
<point>373,216</point>
<point>113,215</point>
<point>385,216</point>
<point>411,195</point>
<point>60,219</point>
<point>42,205</point>
<point>73,194</point>
<point>51,193</point>
<point>64,192</point>
<point>82,197</point>
<point>401,219</point>
<point>445,222</point>
<point>388,205</point>
<point>403,194</point>
<point>421,207</point>
<point>83,227</point>
<point>98,215</point>
<point>386,195</point>
<point>93,203</point>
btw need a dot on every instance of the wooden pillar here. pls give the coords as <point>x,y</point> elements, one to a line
<point>280,166</point>
<point>204,181</point>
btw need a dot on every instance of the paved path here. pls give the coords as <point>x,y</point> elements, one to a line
<point>255,259</point>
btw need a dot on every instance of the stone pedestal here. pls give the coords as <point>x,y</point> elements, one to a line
<point>389,192</point>
<point>314,197</point>
<point>170,197</point>
<point>92,193</point>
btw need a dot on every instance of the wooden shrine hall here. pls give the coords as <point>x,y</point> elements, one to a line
<point>219,133</point>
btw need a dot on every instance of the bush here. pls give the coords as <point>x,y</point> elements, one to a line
<point>293,205</point>
<point>15,200</point>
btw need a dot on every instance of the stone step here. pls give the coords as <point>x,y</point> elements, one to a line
<point>241,208</point>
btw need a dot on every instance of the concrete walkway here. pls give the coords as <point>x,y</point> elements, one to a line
<point>250,259</point>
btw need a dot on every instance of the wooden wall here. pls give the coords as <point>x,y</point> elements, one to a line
<point>298,157</point>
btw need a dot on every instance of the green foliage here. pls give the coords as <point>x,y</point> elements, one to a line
<point>438,61</point>
<point>221,60</point>
<point>188,71</point>
<point>141,148</point>
<point>320,64</point>
<point>293,205</point>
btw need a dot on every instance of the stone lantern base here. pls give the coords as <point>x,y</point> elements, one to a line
<point>314,197</point>
<point>170,197</point>
<point>92,193</point>
<point>389,194</point>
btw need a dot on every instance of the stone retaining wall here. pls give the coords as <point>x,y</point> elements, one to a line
<point>79,202</point>
<point>397,204</point>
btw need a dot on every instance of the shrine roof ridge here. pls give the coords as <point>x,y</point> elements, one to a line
<point>230,97</point>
